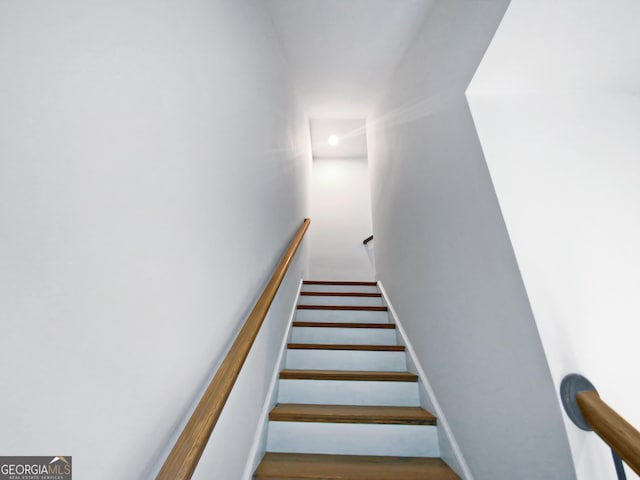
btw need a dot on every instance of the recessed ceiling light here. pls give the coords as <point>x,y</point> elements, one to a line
<point>333,140</point>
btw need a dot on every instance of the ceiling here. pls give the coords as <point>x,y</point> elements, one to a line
<point>342,52</point>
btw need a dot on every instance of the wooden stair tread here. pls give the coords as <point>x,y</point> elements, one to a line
<point>383,415</point>
<point>341,283</point>
<point>330,346</point>
<point>389,326</point>
<point>300,466</point>
<point>341,294</point>
<point>290,374</point>
<point>360,308</point>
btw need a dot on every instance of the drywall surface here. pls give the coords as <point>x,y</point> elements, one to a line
<point>445,258</point>
<point>351,134</point>
<point>341,212</point>
<point>153,169</point>
<point>557,109</point>
<point>342,53</point>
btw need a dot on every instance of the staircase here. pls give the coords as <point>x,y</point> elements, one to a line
<point>347,406</point>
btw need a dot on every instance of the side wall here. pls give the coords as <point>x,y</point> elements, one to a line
<point>341,211</point>
<point>443,253</point>
<point>153,168</point>
<point>340,202</point>
<point>557,106</point>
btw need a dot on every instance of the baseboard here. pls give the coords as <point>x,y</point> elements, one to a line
<point>259,440</point>
<point>465,472</point>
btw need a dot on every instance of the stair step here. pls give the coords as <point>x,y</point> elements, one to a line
<point>290,374</point>
<point>343,333</point>
<point>342,359</point>
<point>342,313</point>
<point>341,298</point>
<point>360,287</point>
<point>389,326</point>
<point>345,394</point>
<point>341,294</point>
<point>328,346</point>
<point>355,308</point>
<point>385,415</point>
<point>353,439</point>
<point>299,466</point>
<point>349,392</point>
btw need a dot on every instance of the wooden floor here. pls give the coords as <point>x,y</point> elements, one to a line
<point>299,466</point>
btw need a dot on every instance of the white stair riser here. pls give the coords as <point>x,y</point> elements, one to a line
<point>346,360</point>
<point>353,316</point>
<point>339,300</point>
<point>353,439</point>
<point>348,392</point>
<point>354,336</point>
<point>340,288</point>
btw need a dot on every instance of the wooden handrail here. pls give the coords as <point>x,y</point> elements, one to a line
<point>619,434</point>
<point>184,457</point>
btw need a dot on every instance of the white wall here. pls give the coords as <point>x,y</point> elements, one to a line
<point>153,168</point>
<point>556,105</point>
<point>340,202</point>
<point>341,214</point>
<point>351,133</point>
<point>444,256</point>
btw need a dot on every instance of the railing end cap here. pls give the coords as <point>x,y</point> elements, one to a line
<point>571,385</point>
